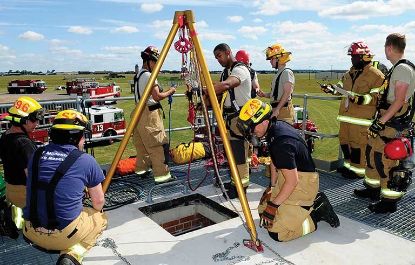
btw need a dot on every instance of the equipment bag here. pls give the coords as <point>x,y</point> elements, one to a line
<point>182,153</point>
<point>126,166</point>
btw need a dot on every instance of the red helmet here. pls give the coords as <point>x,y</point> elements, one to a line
<point>398,149</point>
<point>242,56</point>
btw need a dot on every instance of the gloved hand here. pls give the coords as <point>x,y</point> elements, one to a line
<point>266,196</point>
<point>357,99</point>
<point>267,217</point>
<point>328,88</point>
<point>375,128</point>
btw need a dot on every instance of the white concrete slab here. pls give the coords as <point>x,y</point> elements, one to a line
<point>139,240</point>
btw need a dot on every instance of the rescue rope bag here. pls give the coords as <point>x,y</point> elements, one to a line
<point>185,152</point>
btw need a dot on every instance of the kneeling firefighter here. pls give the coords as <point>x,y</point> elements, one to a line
<point>395,111</point>
<point>16,148</point>
<point>149,137</point>
<point>58,175</point>
<point>291,206</point>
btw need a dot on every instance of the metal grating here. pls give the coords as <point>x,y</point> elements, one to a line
<point>338,190</point>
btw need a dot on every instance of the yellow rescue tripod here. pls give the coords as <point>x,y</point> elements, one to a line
<point>186,17</point>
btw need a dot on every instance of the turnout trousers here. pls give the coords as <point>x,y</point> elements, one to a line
<point>75,239</point>
<point>293,219</point>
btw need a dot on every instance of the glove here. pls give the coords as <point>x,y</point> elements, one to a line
<point>267,217</point>
<point>357,100</point>
<point>375,128</point>
<point>328,89</point>
<point>266,196</point>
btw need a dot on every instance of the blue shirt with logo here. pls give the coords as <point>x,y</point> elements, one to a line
<point>85,172</point>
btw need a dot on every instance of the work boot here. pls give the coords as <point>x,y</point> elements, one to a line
<point>66,259</point>
<point>324,211</point>
<point>383,206</point>
<point>7,226</point>
<point>351,175</point>
<point>231,190</point>
<point>342,170</point>
<point>369,193</point>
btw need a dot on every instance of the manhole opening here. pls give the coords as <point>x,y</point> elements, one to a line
<point>186,214</point>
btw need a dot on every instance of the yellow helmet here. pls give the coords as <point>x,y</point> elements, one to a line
<point>278,51</point>
<point>70,120</point>
<point>25,108</point>
<point>253,113</point>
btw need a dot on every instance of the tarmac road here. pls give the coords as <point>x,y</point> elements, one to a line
<point>10,98</point>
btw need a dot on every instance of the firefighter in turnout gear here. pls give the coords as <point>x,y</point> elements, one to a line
<point>58,175</point>
<point>149,137</point>
<point>394,114</point>
<point>235,85</point>
<point>362,83</point>
<point>243,57</point>
<point>291,206</point>
<point>282,85</point>
<point>15,151</point>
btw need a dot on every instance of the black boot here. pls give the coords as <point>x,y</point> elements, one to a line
<point>231,190</point>
<point>7,226</point>
<point>351,175</point>
<point>342,170</point>
<point>383,206</point>
<point>66,259</point>
<point>371,193</point>
<point>323,211</point>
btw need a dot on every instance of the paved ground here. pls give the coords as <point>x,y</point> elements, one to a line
<point>10,98</point>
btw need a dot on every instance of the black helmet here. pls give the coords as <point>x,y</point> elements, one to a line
<point>150,53</point>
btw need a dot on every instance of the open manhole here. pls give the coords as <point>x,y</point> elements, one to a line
<point>185,214</point>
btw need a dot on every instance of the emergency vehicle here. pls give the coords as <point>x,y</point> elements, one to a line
<point>310,126</point>
<point>26,86</point>
<point>91,89</point>
<point>106,121</point>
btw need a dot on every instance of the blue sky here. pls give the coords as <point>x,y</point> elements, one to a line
<point>93,35</point>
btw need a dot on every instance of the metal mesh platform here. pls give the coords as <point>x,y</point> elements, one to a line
<point>131,188</point>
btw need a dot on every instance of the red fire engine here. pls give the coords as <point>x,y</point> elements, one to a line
<point>26,87</point>
<point>89,88</point>
<point>106,121</point>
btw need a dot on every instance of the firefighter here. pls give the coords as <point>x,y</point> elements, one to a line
<point>395,111</point>
<point>235,84</point>
<point>149,137</point>
<point>282,85</point>
<point>15,150</point>
<point>356,110</point>
<point>291,206</point>
<point>58,174</point>
<point>243,57</point>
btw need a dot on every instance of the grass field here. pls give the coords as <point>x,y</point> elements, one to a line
<point>322,112</point>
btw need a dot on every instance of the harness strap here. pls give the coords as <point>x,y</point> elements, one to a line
<point>137,95</point>
<point>277,82</point>
<point>33,217</point>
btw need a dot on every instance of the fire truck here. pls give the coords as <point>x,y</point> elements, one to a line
<point>91,89</point>
<point>26,87</point>
<point>106,121</point>
<point>310,126</point>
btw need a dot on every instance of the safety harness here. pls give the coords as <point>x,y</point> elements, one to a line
<point>275,93</point>
<point>137,95</point>
<point>48,187</point>
<point>225,74</point>
<point>402,121</point>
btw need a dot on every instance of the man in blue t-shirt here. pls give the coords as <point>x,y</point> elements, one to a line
<point>56,218</point>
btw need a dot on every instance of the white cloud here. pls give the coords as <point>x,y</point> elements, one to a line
<point>309,27</point>
<point>377,28</point>
<point>366,9</point>
<point>123,50</point>
<point>6,53</point>
<point>151,7</point>
<point>126,29</point>
<point>234,19</point>
<point>252,32</point>
<point>162,24</point>
<point>216,36</point>
<point>31,35</point>
<point>80,30</point>
<point>258,20</point>
<point>201,24</point>
<point>274,7</point>
<point>65,51</point>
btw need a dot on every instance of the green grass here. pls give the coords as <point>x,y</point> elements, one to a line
<point>323,113</point>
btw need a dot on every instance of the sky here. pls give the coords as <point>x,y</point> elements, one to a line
<point>98,35</point>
